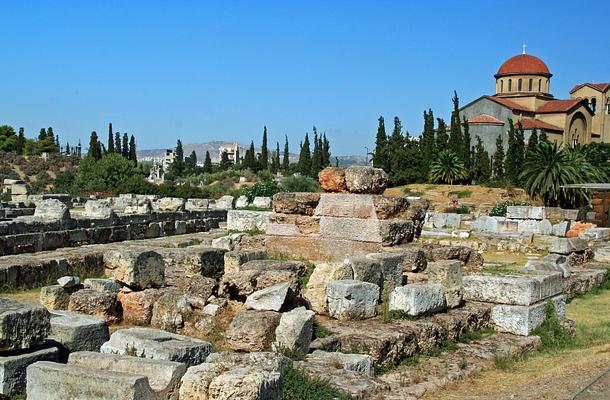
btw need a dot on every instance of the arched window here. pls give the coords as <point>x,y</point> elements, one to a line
<point>540,85</point>
<point>501,85</point>
<point>531,85</point>
<point>593,104</point>
<point>519,85</point>
<point>510,85</point>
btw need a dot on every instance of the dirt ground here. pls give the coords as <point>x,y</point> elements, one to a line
<point>477,198</point>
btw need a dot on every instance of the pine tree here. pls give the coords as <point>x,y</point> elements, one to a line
<point>125,145</point>
<point>95,150</point>
<point>481,170</point>
<point>207,164</point>
<point>316,162</point>
<point>305,157</point>
<point>110,139</point>
<point>20,143</point>
<point>455,134</point>
<point>43,134</point>
<point>498,160</point>
<point>117,143</point>
<point>224,161</point>
<point>380,159</point>
<point>133,156</point>
<point>441,135</point>
<point>465,146</point>
<point>264,161</point>
<point>285,158</point>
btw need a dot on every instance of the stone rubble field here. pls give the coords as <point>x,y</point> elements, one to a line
<point>338,285</point>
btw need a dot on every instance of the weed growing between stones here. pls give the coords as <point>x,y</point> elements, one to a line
<point>444,345</point>
<point>17,396</point>
<point>297,385</point>
<point>387,315</point>
<point>309,268</point>
<point>460,194</point>
<point>552,334</point>
<point>320,331</point>
<point>470,336</point>
<point>293,354</point>
<point>249,232</point>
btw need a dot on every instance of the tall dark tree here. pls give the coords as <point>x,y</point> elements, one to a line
<point>285,158</point>
<point>380,159</point>
<point>543,137</point>
<point>43,134</point>
<point>465,145</point>
<point>533,139</point>
<point>133,156</point>
<point>20,143</point>
<point>110,139</point>
<point>117,143</point>
<point>427,145</point>
<point>395,146</point>
<point>515,155</point>
<point>125,145</point>
<point>276,159</point>
<point>207,163</point>
<point>498,160</point>
<point>481,171</point>
<point>325,151</point>
<point>50,134</point>
<point>177,166</point>
<point>456,138</point>
<point>225,163</point>
<point>316,162</point>
<point>441,135</point>
<point>305,157</point>
<point>67,149</point>
<point>264,161</point>
<point>237,156</point>
<point>250,158</point>
<point>95,149</point>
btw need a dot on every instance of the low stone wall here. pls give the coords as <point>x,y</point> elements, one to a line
<point>29,235</point>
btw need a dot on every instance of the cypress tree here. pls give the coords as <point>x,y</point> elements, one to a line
<point>441,135</point>
<point>465,146</point>
<point>264,161</point>
<point>117,143</point>
<point>237,160</point>
<point>50,134</point>
<point>132,149</point>
<point>533,140</point>
<point>207,163</point>
<point>43,134</point>
<point>394,147</point>
<point>20,143</point>
<point>110,139</point>
<point>455,134</point>
<point>67,149</point>
<point>316,162</point>
<point>380,159</point>
<point>224,161</point>
<point>177,165</point>
<point>519,151</point>
<point>427,145</point>
<point>305,157</point>
<point>543,137</point>
<point>252,163</point>
<point>276,158</point>
<point>285,159</point>
<point>325,152</point>
<point>498,160</point>
<point>481,171</point>
<point>95,150</point>
<point>515,154</point>
<point>125,147</point>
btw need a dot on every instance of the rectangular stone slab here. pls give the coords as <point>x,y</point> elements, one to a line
<point>53,381</point>
<point>521,290</point>
<point>523,320</point>
<point>22,325</point>
<point>13,366</point>
<point>78,332</point>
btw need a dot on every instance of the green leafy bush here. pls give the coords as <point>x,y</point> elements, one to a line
<point>462,209</point>
<point>499,210</point>
<point>300,183</point>
<point>297,385</point>
<point>263,189</point>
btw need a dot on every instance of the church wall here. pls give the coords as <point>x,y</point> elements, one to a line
<point>488,133</point>
<point>502,85</point>
<point>601,119</point>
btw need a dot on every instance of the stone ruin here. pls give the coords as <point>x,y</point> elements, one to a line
<point>221,314</point>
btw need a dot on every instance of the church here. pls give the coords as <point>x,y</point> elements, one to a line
<point>523,93</point>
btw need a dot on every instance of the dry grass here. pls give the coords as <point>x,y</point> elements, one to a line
<point>548,375</point>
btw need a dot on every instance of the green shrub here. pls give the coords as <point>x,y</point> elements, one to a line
<point>461,194</point>
<point>499,210</point>
<point>410,192</point>
<point>552,334</point>
<point>297,385</point>
<point>300,183</point>
<point>462,209</point>
<point>264,189</point>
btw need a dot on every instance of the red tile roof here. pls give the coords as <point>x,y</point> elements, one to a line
<point>485,119</point>
<point>531,123</point>
<point>558,106</point>
<point>508,103</point>
<point>524,64</point>
<point>602,87</point>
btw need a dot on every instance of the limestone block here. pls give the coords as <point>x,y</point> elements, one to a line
<point>292,224</point>
<point>560,229</point>
<point>252,330</point>
<point>602,254</point>
<point>242,202</point>
<point>443,220</point>
<point>163,376</point>
<point>415,259</point>
<point>387,232</point>
<point>259,274</point>
<point>100,304</point>
<point>541,265</point>
<point>55,297</point>
<point>138,269</point>
<point>351,299</point>
<point>316,287</point>
<point>52,210</point>
<point>596,234</point>
<point>234,259</point>
<point>295,203</point>
<point>392,266</point>
<point>418,299</point>
<point>361,179</point>
<point>487,224</point>
<point>512,289</point>
<point>99,209</point>
<point>52,381</point>
<point>295,331</point>
<point>365,269</point>
<point>449,274</point>
<point>171,204</point>
<point>262,202</point>
<point>352,362</point>
<point>245,220</point>
<point>195,260</point>
<point>542,227</point>
<point>13,367</point>
<point>22,325</point>
<point>224,203</point>
<point>171,310</point>
<point>517,212</point>
<point>332,179</point>
<point>196,204</point>
<point>78,332</point>
<point>67,282</point>
<point>227,242</point>
<point>268,299</point>
<point>507,226</point>
<point>400,207</point>
<point>536,212</point>
<point>138,306</point>
<point>522,320</point>
<point>103,285</point>
<point>567,245</point>
<point>157,344</point>
<point>346,205</point>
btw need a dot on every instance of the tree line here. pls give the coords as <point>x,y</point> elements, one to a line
<point>125,147</point>
<point>47,141</point>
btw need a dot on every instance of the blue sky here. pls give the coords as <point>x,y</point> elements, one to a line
<point>203,71</point>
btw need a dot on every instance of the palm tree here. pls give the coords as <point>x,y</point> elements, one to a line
<point>447,168</point>
<point>548,167</point>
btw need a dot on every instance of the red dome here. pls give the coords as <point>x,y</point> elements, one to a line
<point>524,64</point>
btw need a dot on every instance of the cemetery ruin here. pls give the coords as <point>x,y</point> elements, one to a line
<point>163,298</point>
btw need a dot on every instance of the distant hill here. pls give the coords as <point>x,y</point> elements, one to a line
<point>213,148</point>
